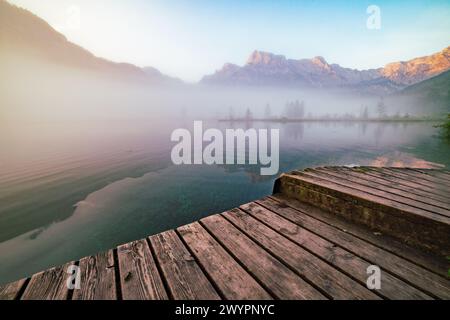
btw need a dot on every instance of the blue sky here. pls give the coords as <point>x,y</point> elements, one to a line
<point>191,38</point>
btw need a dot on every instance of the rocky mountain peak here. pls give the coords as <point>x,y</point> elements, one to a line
<point>320,61</point>
<point>229,67</point>
<point>264,58</point>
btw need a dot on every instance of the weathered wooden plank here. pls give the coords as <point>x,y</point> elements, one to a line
<point>371,182</point>
<point>380,197</point>
<point>392,187</point>
<point>336,284</point>
<point>231,279</point>
<point>342,259</point>
<point>49,285</point>
<point>422,175</point>
<point>406,180</point>
<point>406,174</point>
<point>276,277</point>
<point>440,173</point>
<point>400,183</point>
<point>97,278</point>
<point>11,291</point>
<point>363,186</point>
<point>432,187</point>
<point>185,279</point>
<point>139,276</point>
<point>426,260</point>
<point>435,173</point>
<point>414,274</point>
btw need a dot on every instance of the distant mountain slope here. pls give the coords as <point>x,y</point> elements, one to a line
<point>435,90</point>
<point>24,35</point>
<point>156,74</point>
<point>439,85</point>
<point>264,68</point>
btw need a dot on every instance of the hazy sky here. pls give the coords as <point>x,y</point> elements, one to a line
<point>191,38</point>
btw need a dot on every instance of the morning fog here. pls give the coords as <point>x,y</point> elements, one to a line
<point>249,146</point>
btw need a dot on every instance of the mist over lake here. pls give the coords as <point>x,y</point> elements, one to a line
<point>79,182</point>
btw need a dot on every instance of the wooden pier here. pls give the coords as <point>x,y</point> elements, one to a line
<point>314,238</point>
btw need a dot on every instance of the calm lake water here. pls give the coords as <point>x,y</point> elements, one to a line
<point>68,190</point>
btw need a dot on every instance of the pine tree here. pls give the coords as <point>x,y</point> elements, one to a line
<point>365,113</point>
<point>248,115</point>
<point>267,112</point>
<point>230,113</point>
<point>381,108</point>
